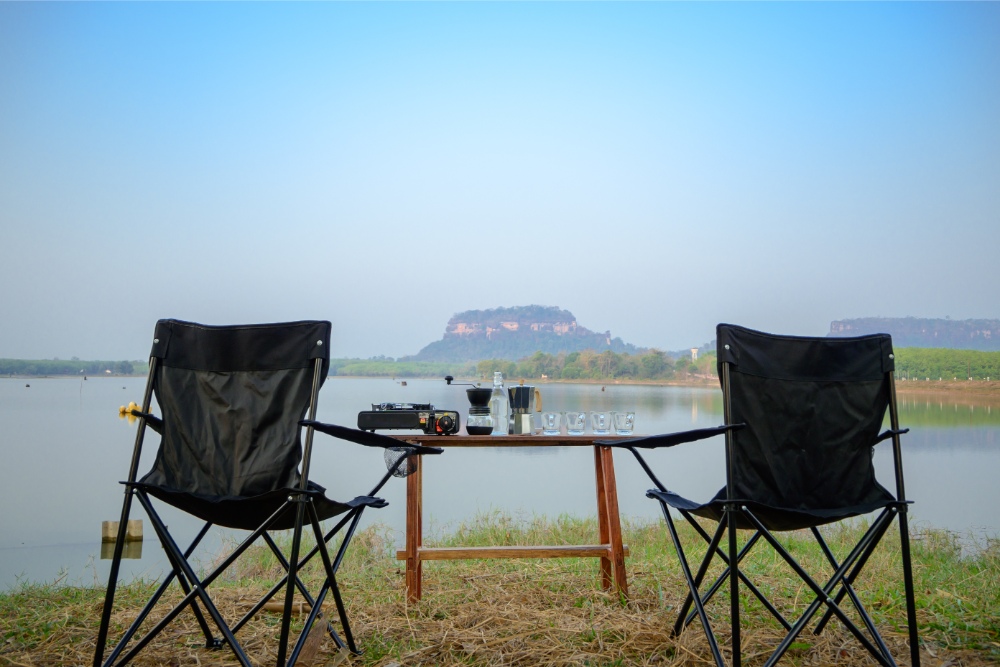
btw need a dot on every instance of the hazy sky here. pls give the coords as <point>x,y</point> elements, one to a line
<point>655,168</point>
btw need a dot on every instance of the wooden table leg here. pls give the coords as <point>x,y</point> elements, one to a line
<point>414,530</point>
<point>614,521</point>
<point>603,518</point>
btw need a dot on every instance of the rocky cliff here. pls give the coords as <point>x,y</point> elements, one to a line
<point>924,332</point>
<point>515,333</point>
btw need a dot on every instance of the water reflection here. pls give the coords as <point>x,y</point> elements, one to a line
<point>65,450</point>
<point>921,411</point>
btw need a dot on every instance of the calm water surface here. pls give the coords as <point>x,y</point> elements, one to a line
<point>65,450</point>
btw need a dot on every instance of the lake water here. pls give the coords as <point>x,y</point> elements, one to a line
<point>65,449</point>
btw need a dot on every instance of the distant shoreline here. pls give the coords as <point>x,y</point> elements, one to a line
<point>969,388</point>
<point>972,387</point>
<point>984,388</point>
<point>989,389</point>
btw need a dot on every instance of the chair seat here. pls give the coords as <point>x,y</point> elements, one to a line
<point>773,518</point>
<point>249,513</point>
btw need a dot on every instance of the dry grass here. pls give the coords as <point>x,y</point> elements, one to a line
<point>539,612</point>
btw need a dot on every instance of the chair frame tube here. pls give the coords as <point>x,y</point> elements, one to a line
<point>154,599</point>
<point>822,596</point>
<point>299,501</point>
<point>730,521</point>
<point>904,529</point>
<point>133,471</point>
<point>692,588</point>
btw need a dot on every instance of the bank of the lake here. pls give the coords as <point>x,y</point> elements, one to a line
<point>989,388</point>
<point>952,388</point>
<point>552,612</point>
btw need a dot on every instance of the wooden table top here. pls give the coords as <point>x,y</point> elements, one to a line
<point>463,440</point>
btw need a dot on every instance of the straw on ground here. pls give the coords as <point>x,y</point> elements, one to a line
<point>540,613</point>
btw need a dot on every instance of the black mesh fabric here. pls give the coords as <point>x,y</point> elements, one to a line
<point>813,408</point>
<point>231,399</point>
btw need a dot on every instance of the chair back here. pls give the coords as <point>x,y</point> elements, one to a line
<point>813,408</point>
<point>231,398</point>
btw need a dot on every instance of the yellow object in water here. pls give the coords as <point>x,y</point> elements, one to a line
<point>126,410</point>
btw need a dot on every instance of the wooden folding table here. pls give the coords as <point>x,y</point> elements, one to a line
<point>609,548</point>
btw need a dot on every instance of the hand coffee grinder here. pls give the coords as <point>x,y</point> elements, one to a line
<point>479,421</point>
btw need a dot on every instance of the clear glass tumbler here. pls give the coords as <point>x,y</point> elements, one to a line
<point>551,423</point>
<point>576,422</point>
<point>624,422</point>
<point>600,423</point>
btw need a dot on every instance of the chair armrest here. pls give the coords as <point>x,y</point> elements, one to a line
<point>885,435</point>
<point>670,439</point>
<point>368,438</point>
<point>666,440</point>
<point>152,421</point>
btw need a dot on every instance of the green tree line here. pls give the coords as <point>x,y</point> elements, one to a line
<point>382,367</point>
<point>36,367</point>
<point>911,363</point>
<point>920,363</point>
<point>593,365</point>
<point>584,365</point>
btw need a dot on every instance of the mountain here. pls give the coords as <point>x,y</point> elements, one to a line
<point>925,332</point>
<point>515,333</point>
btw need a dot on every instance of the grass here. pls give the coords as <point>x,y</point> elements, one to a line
<point>545,612</point>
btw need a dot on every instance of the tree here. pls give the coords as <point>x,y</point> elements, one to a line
<point>654,364</point>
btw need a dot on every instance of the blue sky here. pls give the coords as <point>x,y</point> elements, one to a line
<point>655,168</point>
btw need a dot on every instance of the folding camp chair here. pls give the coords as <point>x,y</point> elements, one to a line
<point>233,402</point>
<point>802,416</point>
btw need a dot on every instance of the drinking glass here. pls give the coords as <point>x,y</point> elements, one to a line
<point>624,422</point>
<point>551,423</point>
<point>600,423</point>
<point>576,422</point>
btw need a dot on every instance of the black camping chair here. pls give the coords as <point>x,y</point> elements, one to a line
<point>802,416</point>
<point>234,402</point>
